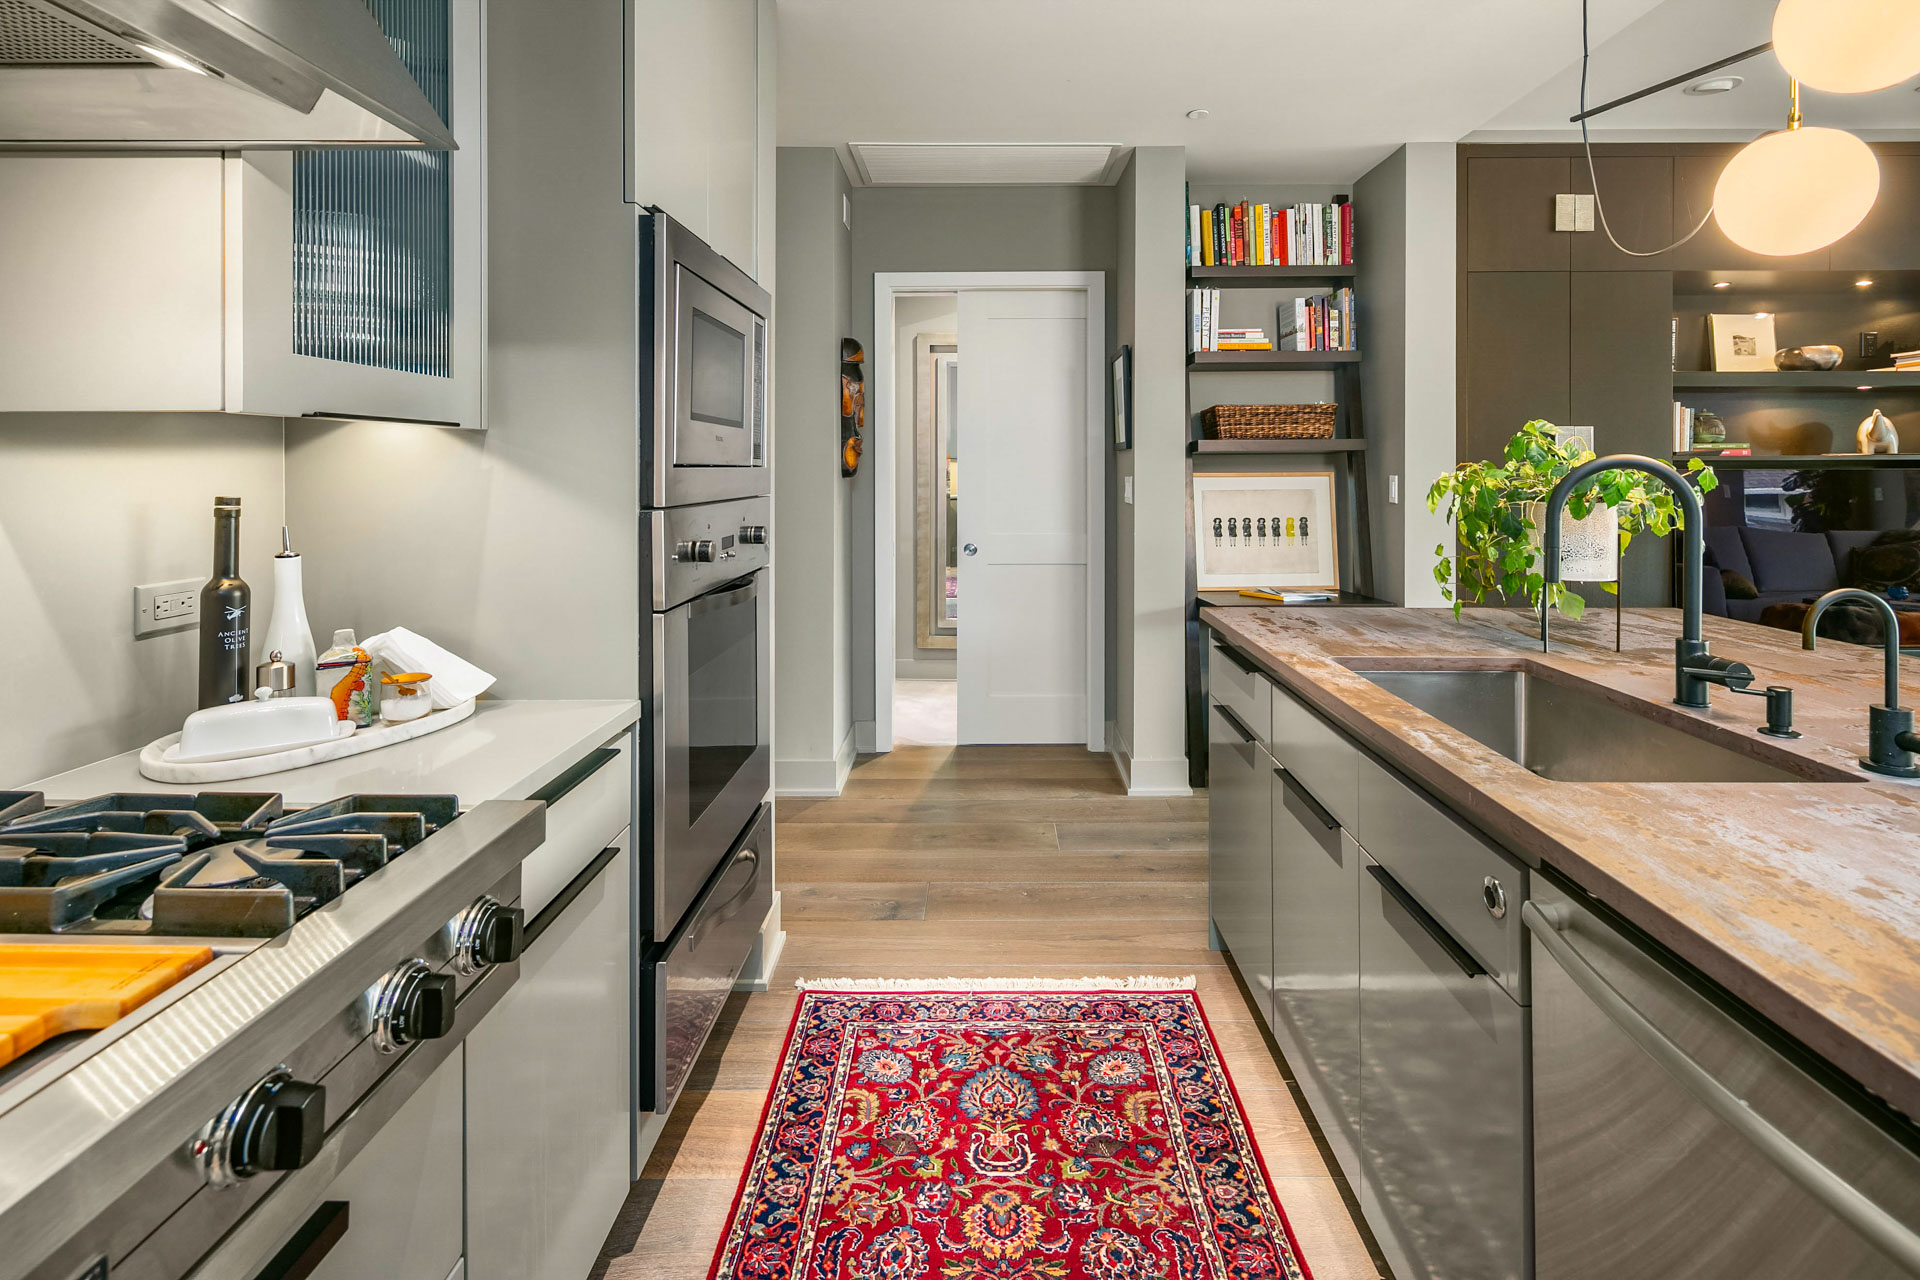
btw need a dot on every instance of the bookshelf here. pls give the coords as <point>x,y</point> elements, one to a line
<point>1337,445</point>
<point>1861,380</point>
<point>1273,361</point>
<point>1265,277</point>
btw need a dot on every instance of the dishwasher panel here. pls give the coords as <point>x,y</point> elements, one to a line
<point>1443,1100</point>
<point>1635,1175</point>
<point>1240,850</point>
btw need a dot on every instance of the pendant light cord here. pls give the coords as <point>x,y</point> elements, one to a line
<point>1593,179</point>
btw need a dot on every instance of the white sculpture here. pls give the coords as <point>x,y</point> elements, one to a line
<point>1876,434</point>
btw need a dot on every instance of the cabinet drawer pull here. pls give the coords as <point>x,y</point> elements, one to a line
<point>1246,668</point>
<point>1299,792</point>
<point>1435,930</point>
<point>579,773</point>
<point>310,1245</point>
<point>1233,722</point>
<point>1884,1231</point>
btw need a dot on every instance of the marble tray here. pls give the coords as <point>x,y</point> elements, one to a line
<point>155,765</point>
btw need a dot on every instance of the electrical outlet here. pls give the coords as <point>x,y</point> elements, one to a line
<point>1393,488</point>
<point>166,606</point>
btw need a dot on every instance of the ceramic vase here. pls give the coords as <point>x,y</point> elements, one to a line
<point>1589,548</point>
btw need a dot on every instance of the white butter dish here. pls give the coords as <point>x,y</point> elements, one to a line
<point>243,729</point>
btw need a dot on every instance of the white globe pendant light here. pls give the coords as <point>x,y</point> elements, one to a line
<point>1848,46</point>
<point>1798,190</point>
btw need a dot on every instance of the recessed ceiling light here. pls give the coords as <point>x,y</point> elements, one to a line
<point>1719,84</point>
<point>1198,113</point>
<point>1723,284</point>
<point>1863,282</point>
<point>169,59</point>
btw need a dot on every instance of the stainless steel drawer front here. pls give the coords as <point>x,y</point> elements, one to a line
<point>1443,1103</point>
<point>1236,684</point>
<point>1652,1107</point>
<point>689,982</point>
<point>1239,851</point>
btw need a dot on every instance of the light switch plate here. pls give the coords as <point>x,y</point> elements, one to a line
<point>1393,488</point>
<point>1126,490</point>
<point>166,606</point>
<point>1572,213</point>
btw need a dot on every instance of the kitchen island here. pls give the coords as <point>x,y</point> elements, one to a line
<point>1546,953</point>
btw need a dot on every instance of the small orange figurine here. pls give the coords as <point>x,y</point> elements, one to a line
<point>355,681</point>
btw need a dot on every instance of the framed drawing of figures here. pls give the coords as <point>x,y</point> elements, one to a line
<point>1266,529</point>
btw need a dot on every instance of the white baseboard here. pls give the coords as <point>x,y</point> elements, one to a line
<point>816,777</point>
<point>866,737</point>
<point>757,973</point>
<point>1146,777</point>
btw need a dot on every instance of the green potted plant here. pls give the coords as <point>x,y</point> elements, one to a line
<point>1496,507</point>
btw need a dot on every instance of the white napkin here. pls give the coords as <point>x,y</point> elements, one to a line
<point>455,680</point>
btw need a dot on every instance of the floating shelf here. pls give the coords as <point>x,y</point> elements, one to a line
<point>1811,380</point>
<point>1272,361</point>
<point>1266,277</point>
<point>1342,445</point>
<point>1800,461</point>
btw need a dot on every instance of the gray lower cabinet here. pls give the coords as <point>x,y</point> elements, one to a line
<point>1638,1174</point>
<point>1239,849</point>
<point>1316,960</point>
<point>1443,1096</point>
<point>403,1191</point>
<point>549,1093</point>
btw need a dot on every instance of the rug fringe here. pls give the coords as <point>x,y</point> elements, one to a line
<point>1137,983</point>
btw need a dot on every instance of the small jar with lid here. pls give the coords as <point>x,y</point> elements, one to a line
<point>405,696</point>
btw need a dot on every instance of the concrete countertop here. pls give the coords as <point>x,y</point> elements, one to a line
<point>1802,899</point>
<point>506,750</point>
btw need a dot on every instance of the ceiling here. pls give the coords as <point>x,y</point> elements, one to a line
<point>1331,91</point>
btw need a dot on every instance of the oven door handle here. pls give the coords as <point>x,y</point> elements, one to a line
<point>724,599</point>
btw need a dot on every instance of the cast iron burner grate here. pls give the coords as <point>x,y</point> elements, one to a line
<point>213,865</point>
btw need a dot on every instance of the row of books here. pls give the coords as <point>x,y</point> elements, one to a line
<point>1323,322</point>
<point>1907,361</point>
<point>1256,234</point>
<point>1683,442</point>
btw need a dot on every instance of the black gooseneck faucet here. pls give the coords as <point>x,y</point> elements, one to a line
<point>1694,670</point>
<point>1891,741</point>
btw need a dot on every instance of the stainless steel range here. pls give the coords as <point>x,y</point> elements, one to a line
<point>353,943</point>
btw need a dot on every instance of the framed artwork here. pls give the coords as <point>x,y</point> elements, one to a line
<point>1742,343</point>
<point>1123,399</point>
<point>1266,529</point>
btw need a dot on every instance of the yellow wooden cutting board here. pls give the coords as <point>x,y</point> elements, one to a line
<point>49,989</point>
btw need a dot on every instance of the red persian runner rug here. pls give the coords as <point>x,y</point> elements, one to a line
<point>1004,1134</point>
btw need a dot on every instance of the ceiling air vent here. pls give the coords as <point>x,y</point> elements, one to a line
<point>32,37</point>
<point>922,164</point>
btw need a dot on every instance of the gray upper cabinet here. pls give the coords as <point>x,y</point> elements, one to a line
<point>1694,178</point>
<point>1638,194</point>
<point>1510,213</point>
<point>693,139</point>
<point>1518,363</point>
<point>1889,238</point>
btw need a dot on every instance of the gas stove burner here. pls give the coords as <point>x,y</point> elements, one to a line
<point>18,804</point>
<point>67,877</point>
<point>403,820</point>
<point>200,820</point>
<point>212,865</point>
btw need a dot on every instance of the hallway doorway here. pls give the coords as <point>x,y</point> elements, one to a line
<point>995,587</point>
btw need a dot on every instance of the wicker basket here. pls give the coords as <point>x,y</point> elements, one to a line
<point>1270,421</point>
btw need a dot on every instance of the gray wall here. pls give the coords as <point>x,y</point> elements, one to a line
<point>90,506</point>
<point>519,550</point>
<point>1406,293</point>
<point>1151,534</point>
<point>812,312</point>
<point>934,314</point>
<point>959,229</point>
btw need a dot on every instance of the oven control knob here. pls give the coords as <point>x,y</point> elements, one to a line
<point>756,534</point>
<point>700,550</point>
<point>410,1004</point>
<point>487,933</point>
<point>278,1124</point>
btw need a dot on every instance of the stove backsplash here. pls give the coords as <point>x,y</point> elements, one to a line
<point>92,504</point>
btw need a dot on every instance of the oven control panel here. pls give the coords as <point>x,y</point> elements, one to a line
<point>690,550</point>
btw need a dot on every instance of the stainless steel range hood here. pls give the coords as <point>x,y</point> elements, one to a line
<point>182,74</point>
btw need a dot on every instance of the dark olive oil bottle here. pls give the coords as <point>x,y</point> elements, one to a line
<point>226,616</point>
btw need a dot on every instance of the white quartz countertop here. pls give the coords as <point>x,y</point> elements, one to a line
<point>506,750</point>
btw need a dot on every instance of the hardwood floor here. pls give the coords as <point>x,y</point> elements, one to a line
<point>975,862</point>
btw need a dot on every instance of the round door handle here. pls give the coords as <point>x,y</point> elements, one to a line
<point>971,549</point>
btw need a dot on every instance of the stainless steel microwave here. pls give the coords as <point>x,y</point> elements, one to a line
<point>705,359</point>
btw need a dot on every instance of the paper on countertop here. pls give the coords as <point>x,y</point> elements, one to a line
<point>455,680</point>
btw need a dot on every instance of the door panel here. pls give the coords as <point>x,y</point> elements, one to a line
<point>1889,237</point>
<point>1443,1103</point>
<point>1239,851</point>
<point>1510,213</point>
<point>1316,961</point>
<point>1022,430</point>
<point>1518,361</point>
<point>1637,192</point>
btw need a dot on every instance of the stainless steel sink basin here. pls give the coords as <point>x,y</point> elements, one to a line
<point>1570,733</point>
